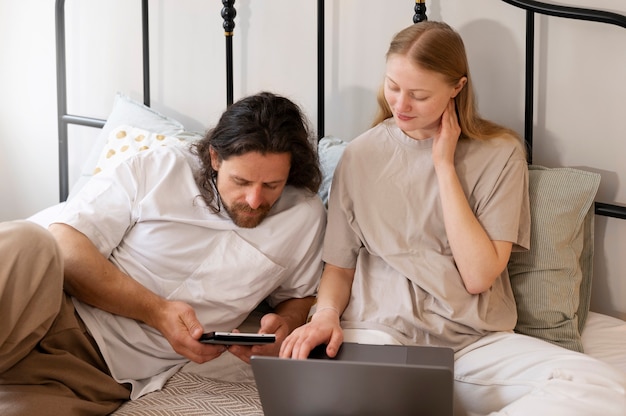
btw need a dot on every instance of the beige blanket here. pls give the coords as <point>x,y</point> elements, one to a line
<point>189,394</point>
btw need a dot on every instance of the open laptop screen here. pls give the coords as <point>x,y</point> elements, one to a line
<point>363,380</point>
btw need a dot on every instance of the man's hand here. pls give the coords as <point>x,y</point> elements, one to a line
<point>271,323</point>
<point>178,323</point>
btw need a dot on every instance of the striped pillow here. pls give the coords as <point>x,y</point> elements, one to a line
<point>552,281</point>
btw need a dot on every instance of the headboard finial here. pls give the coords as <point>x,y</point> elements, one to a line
<point>420,11</point>
<point>228,14</point>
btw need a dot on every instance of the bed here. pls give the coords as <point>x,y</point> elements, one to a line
<point>552,282</point>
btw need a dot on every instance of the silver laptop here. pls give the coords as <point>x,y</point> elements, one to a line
<point>362,380</point>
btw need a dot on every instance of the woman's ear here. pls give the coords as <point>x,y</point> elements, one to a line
<point>459,86</point>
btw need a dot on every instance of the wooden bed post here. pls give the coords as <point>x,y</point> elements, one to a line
<point>228,14</point>
<point>420,11</point>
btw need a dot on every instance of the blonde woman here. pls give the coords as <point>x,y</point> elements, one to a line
<point>425,210</point>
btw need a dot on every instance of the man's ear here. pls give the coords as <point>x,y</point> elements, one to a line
<point>459,86</point>
<point>216,161</point>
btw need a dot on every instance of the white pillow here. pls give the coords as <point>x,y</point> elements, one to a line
<point>126,111</point>
<point>329,150</point>
<point>126,141</point>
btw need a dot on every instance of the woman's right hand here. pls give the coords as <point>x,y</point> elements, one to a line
<point>447,137</point>
<point>323,328</point>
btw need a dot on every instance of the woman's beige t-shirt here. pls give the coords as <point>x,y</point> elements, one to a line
<point>385,220</point>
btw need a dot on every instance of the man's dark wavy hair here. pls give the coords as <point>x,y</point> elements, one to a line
<point>263,123</point>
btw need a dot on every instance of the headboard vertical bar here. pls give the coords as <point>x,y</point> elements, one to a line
<point>146,51</point>
<point>61,100</point>
<point>229,70</point>
<point>530,82</point>
<point>228,14</point>
<point>320,69</point>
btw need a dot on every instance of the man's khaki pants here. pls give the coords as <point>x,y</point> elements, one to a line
<point>49,364</point>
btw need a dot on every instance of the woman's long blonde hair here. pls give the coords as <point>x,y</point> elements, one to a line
<point>437,47</point>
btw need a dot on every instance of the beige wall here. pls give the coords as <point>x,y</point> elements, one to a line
<point>579,101</point>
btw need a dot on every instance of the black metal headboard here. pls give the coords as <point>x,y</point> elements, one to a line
<point>63,117</point>
<point>228,14</point>
<point>532,7</point>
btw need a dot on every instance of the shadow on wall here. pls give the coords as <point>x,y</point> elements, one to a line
<point>350,112</point>
<point>607,295</point>
<point>497,70</point>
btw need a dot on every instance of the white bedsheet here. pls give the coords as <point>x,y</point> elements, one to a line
<point>604,338</point>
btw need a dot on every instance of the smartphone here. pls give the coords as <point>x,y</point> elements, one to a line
<point>237,338</point>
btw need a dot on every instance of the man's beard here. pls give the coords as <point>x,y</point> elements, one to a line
<point>240,214</point>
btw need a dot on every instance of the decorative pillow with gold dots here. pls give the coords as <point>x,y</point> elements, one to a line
<point>127,111</point>
<point>126,141</point>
